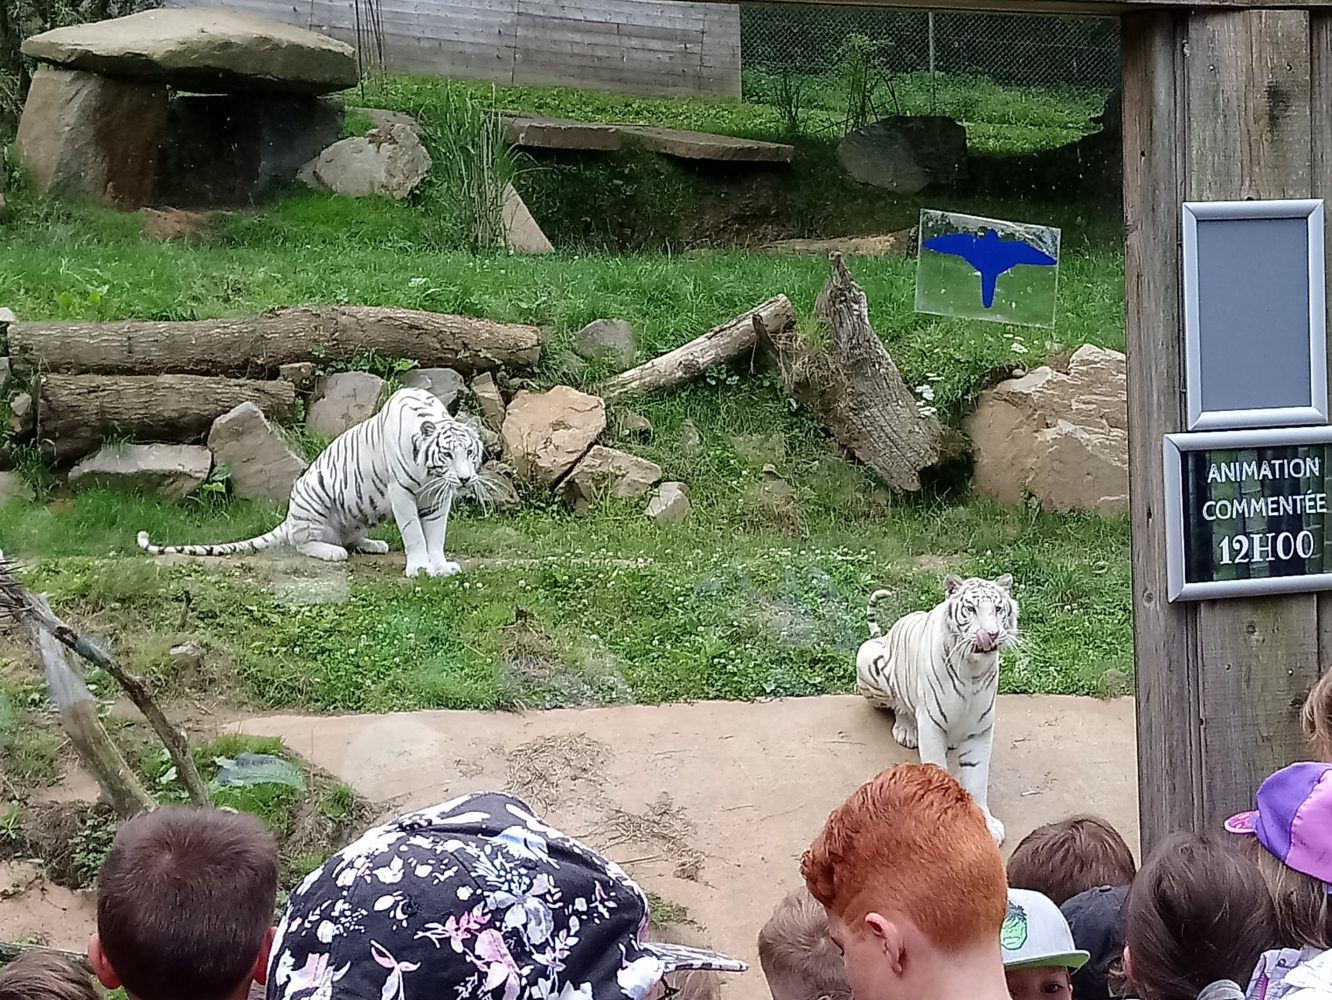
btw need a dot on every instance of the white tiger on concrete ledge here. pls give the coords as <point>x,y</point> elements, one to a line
<point>410,459</point>
<point>937,671</point>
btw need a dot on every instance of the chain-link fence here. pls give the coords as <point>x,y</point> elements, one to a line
<point>1011,50</point>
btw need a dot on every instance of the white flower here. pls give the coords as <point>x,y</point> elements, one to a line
<point>1019,348</point>
<point>390,874</point>
<point>416,282</point>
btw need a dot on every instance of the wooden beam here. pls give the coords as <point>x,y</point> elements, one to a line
<point>1218,105</point>
<point>1169,753</point>
<point>1089,8</point>
<point>1320,128</point>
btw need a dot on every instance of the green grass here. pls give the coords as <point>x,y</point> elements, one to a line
<point>754,596</point>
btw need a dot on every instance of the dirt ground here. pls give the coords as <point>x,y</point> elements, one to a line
<point>708,805</point>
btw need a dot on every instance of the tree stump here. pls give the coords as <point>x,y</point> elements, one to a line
<point>855,389</point>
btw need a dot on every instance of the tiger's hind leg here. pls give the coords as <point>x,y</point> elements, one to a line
<point>322,550</point>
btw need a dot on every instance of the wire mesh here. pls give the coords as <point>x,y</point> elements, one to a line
<point>1010,50</point>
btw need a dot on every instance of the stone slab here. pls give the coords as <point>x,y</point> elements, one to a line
<point>540,132</point>
<point>202,50</point>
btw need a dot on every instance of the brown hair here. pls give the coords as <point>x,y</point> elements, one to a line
<point>798,956</point>
<point>914,841</point>
<point>184,901</point>
<point>42,975</point>
<point>1197,912</point>
<point>1316,717</point>
<point>1069,857</point>
<point>1303,910</point>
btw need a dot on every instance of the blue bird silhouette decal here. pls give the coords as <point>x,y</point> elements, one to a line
<point>990,256</point>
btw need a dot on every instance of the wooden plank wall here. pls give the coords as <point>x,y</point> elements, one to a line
<point>645,47</point>
<point>1218,105</point>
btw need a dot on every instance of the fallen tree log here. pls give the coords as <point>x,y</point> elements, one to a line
<point>75,413</point>
<point>691,360</point>
<point>854,388</point>
<point>255,346</point>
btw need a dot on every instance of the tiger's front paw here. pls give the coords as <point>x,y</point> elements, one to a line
<point>444,567</point>
<point>995,827</point>
<point>415,568</point>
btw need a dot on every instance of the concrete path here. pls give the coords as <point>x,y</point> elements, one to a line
<point>710,805</point>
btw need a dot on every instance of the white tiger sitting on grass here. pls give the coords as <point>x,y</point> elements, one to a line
<point>410,459</point>
<point>937,671</point>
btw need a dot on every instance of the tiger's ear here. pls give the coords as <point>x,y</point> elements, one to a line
<point>1005,582</point>
<point>951,582</point>
<point>428,429</point>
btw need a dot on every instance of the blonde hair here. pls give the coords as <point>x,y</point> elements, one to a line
<point>1316,717</point>
<point>796,951</point>
<point>1303,909</point>
<point>688,984</point>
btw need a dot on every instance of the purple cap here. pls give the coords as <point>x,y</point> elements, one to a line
<point>1294,818</point>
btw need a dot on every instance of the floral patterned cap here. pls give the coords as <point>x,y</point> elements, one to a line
<point>475,899</point>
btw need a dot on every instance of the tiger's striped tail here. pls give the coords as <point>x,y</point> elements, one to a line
<point>871,615</point>
<point>275,537</point>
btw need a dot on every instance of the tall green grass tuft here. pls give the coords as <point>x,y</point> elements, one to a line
<point>474,168</point>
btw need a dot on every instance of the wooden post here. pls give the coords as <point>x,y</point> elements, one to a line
<point>1218,105</point>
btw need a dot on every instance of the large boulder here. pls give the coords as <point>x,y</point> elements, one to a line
<point>612,339</point>
<point>227,149</point>
<point>546,433</point>
<point>92,135</point>
<point>670,505</point>
<point>204,51</point>
<point>905,153</point>
<point>607,472</point>
<point>262,466</point>
<point>346,399</point>
<point>488,398</point>
<point>389,162</point>
<point>171,471</point>
<point>521,232</point>
<point>14,489</point>
<point>1061,436</point>
<point>444,384</point>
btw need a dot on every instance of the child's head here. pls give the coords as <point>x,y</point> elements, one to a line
<point>1317,718</point>
<point>797,954</point>
<point>1038,949</point>
<point>687,984</point>
<point>1063,859</point>
<point>1198,912</point>
<point>40,975</point>
<point>911,880</point>
<point>1290,838</point>
<point>185,905</point>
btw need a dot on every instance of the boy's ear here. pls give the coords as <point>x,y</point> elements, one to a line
<point>890,939</point>
<point>1128,963</point>
<point>260,972</point>
<point>101,966</point>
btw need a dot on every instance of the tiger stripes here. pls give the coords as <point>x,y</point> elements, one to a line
<point>409,460</point>
<point>937,671</point>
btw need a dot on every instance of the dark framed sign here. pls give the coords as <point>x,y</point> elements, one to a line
<point>1247,512</point>
<point>1255,320</point>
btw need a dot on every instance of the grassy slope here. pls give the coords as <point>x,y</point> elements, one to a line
<point>752,597</point>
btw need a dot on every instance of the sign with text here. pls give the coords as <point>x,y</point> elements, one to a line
<point>1247,512</point>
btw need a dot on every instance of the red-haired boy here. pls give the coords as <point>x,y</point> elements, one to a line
<point>914,889</point>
